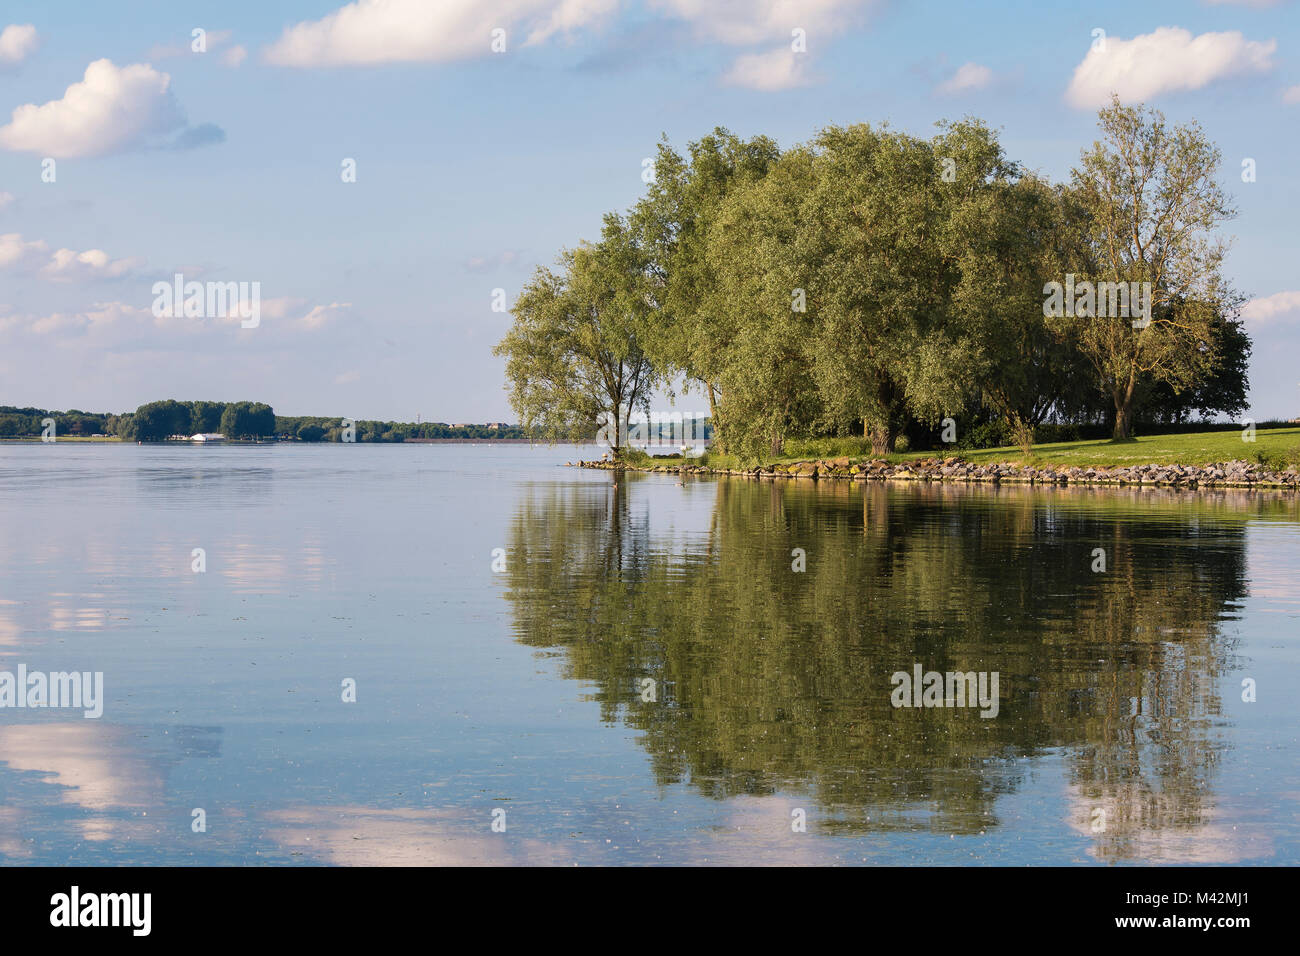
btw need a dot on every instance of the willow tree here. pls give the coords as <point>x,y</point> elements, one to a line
<point>768,391</point>
<point>1005,239</point>
<point>574,356</point>
<point>694,320</point>
<point>877,250</point>
<point>1153,201</point>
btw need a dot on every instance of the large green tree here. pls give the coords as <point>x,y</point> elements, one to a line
<point>767,387</point>
<point>877,246</point>
<point>158,421</point>
<point>1153,204</point>
<point>247,420</point>
<point>575,361</point>
<point>695,319</point>
<point>1005,238</point>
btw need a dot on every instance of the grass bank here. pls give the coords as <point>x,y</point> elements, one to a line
<point>1276,448</point>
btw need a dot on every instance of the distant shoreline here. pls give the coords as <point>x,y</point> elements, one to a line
<point>84,439</point>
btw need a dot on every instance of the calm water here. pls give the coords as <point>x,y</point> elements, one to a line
<point>647,679</point>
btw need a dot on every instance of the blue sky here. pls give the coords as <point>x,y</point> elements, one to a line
<point>473,167</point>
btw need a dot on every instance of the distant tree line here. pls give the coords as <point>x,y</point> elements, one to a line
<point>877,283</point>
<point>27,422</point>
<point>161,420</point>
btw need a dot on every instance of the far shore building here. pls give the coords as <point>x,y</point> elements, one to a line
<point>208,437</point>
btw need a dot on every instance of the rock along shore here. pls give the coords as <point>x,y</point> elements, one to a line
<point>1229,474</point>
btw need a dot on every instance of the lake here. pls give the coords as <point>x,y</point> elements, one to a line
<point>445,654</point>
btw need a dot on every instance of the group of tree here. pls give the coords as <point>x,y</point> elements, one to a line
<point>29,422</point>
<point>163,420</point>
<point>874,282</point>
<point>159,421</point>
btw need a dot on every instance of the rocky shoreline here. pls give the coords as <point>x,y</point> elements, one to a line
<point>1229,474</point>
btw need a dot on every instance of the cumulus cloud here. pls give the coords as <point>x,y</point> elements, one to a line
<point>67,265</point>
<point>121,323</point>
<point>1269,308</point>
<point>18,253</point>
<point>110,110</point>
<point>779,69</point>
<point>1291,95</point>
<point>17,43</point>
<point>101,317</point>
<point>294,313</point>
<point>398,31</point>
<point>234,56</point>
<point>969,76</point>
<point>323,315</point>
<point>745,22</point>
<point>1166,60</point>
<point>64,265</point>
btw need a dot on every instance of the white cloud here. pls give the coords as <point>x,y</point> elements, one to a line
<point>1268,308</point>
<point>234,56</point>
<point>1291,95</point>
<point>120,324</point>
<point>18,253</point>
<point>744,22</point>
<point>779,69</point>
<point>322,315</point>
<point>398,31</point>
<point>571,15</point>
<point>33,255</point>
<point>292,312</point>
<point>347,378</point>
<point>101,317</point>
<point>110,110</point>
<point>67,265</point>
<point>969,76</point>
<point>16,43</point>
<point>1166,60</point>
<point>5,199</point>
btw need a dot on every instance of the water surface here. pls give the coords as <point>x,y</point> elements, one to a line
<point>631,670</point>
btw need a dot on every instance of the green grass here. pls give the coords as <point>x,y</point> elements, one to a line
<point>1275,447</point>
<point>62,438</point>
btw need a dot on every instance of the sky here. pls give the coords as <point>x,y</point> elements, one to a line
<point>380,170</point>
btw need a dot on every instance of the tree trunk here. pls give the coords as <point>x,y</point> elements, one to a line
<point>882,438</point>
<point>1123,423</point>
<point>777,445</point>
<point>616,443</point>
<point>713,418</point>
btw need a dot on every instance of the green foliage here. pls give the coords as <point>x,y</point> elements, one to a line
<point>875,282</point>
<point>158,421</point>
<point>1152,202</point>
<point>574,358</point>
<point>247,420</point>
